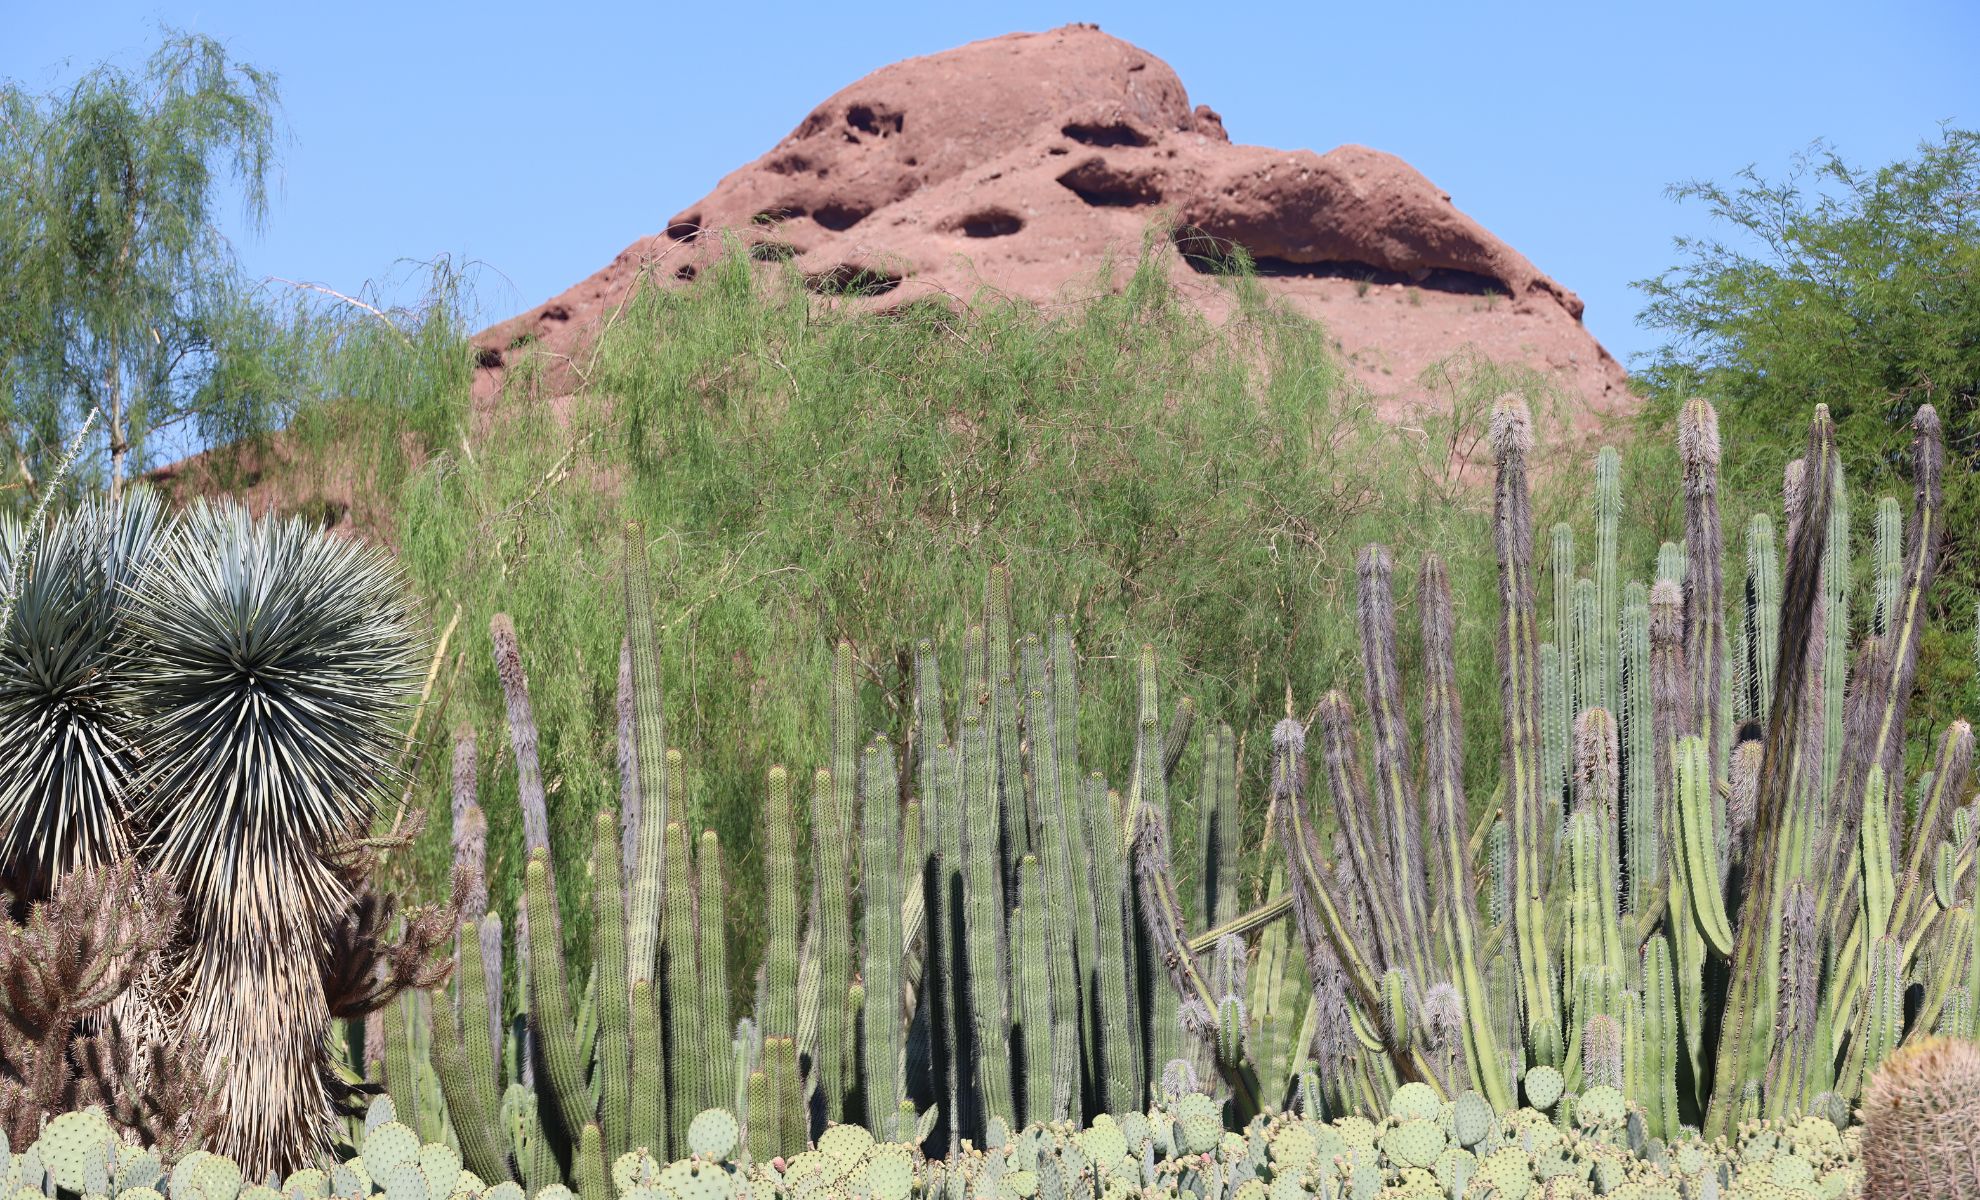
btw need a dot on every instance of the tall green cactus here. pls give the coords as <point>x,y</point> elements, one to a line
<point>884,1037</point>
<point>1657,1092</point>
<point>1150,788</point>
<point>1608,582</point>
<point>1643,839</point>
<point>719,1084</point>
<point>1062,843</point>
<point>650,762</point>
<point>687,1064</point>
<point>1567,632</point>
<point>550,998</point>
<point>1888,578</point>
<point>781,889</point>
<point>833,871</point>
<point>1704,592</point>
<point>1555,721</point>
<point>1031,995</point>
<point>1834,629</point>
<point>1511,437</point>
<point>468,1082</point>
<point>1217,829</point>
<point>1761,617</point>
<point>613,1056</point>
<point>649,1112</point>
<point>1631,864</point>
<point>1747,1024</point>
<point>1593,670</point>
<point>986,949</point>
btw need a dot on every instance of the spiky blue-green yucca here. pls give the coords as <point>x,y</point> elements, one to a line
<point>66,754</point>
<point>219,695</point>
<point>271,666</point>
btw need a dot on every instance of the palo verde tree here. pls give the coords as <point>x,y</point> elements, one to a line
<point>119,296</point>
<point>1851,287</point>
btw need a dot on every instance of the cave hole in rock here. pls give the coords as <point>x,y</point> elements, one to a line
<point>1105,133</point>
<point>1209,254</point>
<point>879,122</point>
<point>990,223</point>
<point>836,216</point>
<point>684,227</point>
<point>1101,185</point>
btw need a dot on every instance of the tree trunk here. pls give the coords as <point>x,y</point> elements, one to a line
<point>119,445</point>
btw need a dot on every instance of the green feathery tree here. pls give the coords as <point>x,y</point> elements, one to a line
<point>119,295</point>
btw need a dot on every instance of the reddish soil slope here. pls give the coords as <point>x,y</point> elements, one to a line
<point>1024,163</point>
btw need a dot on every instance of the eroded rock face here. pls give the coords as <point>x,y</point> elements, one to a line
<point>1023,163</point>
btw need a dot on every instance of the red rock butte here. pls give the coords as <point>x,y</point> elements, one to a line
<point>1024,164</point>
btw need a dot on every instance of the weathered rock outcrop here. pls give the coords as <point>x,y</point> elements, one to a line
<point>1023,163</point>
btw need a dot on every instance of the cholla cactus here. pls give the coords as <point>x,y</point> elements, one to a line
<point>62,972</point>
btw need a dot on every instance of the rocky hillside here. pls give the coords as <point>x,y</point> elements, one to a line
<point>1021,164</point>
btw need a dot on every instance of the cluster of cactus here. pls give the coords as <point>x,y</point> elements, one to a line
<point>1696,889</point>
<point>1014,927</point>
<point>1420,1148</point>
<point>1699,882</point>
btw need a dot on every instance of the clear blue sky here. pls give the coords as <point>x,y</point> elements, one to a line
<point>541,139</point>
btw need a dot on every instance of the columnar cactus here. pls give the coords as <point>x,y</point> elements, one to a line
<point>883,1031</point>
<point>680,981</point>
<point>832,863</point>
<point>719,1084</point>
<point>1511,436</point>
